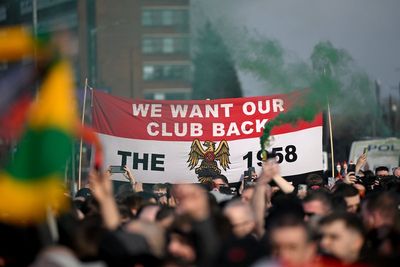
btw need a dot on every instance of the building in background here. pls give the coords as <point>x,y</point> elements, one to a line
<point>130,48</point>
<point>138,49</point>
<point>52,16</point>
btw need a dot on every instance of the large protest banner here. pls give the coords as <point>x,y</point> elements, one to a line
<point>186,140</point>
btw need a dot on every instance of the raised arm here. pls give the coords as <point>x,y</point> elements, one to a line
<point>271,168</point>
<point>361,162</point>
<point>258,202</point>
<point>136,186</point>
<point>193,201</point>
<point>101,186</point>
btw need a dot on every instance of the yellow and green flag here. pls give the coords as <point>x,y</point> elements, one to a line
<point>33,181</point>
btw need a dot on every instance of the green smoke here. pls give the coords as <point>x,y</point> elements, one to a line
<point>331,76</point>
<point>315,101</point>
<point>326,62</point>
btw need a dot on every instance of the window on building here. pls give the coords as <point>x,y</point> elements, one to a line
<point>168,45</point>
<point>165,17</point>
<point>148,72</point>
<point>25,6</point>
<point>147,19</point>
<point>168,95</point>
<point>165,45</point>
<point>147,46</point>
<point>166,72</point>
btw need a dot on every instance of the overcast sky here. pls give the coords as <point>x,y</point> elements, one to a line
<point>368,29</point>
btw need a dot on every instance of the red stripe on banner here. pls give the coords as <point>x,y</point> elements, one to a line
<point>228,119</point>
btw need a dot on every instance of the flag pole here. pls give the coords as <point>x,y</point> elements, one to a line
<point>331,140</point>
<point>81,143</point>
<point>91,96</point>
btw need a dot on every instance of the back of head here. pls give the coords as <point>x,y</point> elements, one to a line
<point>385,203</point>
<point>83,237</point>
<point>207,184</point>
<point>153,233</point>
<point>368,173</point>
<point>84,193</point>
<point>164,212</point>
<point>345,190</point>
<point>147,197</point>
<point>339,204</point>
<point>123,191</point>
<point>283,204</point>
<point>134,201</point>
<point>320,195</point>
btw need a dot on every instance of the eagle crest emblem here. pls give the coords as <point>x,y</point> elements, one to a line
<point>209,155</point>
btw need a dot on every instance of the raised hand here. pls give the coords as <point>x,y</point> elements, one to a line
<point>102,190</point>
<point>350,178</point>
<point>269,170</point>
<point>100,184</point>
<point>361,161</point>
<point>129,175</point>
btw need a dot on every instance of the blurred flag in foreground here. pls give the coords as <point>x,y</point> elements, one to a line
<point>33,181</point>
<point>17,88</point>
<point>16,43</point>
<point>18,83</point>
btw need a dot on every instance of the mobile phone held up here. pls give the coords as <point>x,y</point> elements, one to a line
<point>351,168</point>
<point>117,169</point>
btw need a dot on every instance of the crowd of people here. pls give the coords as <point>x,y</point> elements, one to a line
<point>351,220</point>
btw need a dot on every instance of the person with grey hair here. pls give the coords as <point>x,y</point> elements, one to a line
<point>241,217</point>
